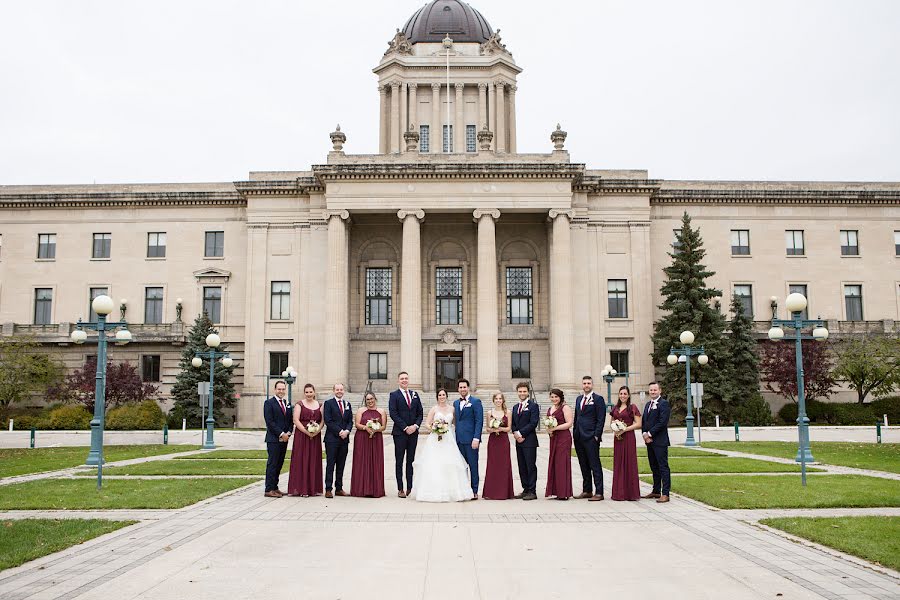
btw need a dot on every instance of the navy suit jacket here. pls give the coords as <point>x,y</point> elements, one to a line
<point>402,415</point>
<point>590,416</point>
<point>526,423</point>
<point>656,422</point>
<point>469,421</point>
<point>335,422</point>
<point>276,421</point>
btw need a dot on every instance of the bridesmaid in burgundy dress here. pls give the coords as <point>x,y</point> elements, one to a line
<point>305,478</point>
<point>626,485</point>
<point>498,481</point>
<point>559,470</point>
<point>367,479</point>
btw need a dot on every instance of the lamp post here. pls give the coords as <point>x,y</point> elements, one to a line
<point>796,304</point>
<point>684,354</point>
<point>290,376</point>
<point>212,341</point>
<point>102,305</point>
<point>609,374</point>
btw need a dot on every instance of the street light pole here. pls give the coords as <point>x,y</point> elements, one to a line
<point>290,376</point>
<point>609,374</point>
<point>212,341</point>
<point>687,351</point>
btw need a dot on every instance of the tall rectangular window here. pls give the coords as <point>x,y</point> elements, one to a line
<point>448,138</point>
<point>470,138</point>
<point>853,302</point>
<point>156,244</point>
<point>744,293</point>
<point>424,138</point>
<point>519,296</point>
<point>150,367</point>
<point>800,288</point>
<point>676,241</point>
<point>740,242</point>
<point>617,298</point>
<point>521,365</point>
<point>897,243</point>
<point>46,245</point>
<point>43,305</point>
<point>93,293</point>
<point>153,305</point>
<point>214,245</point>
<point>281,300</point>
<point>793,241</point>
<point>448,295</point>
<point>378,296</point>
<point>377,365</point>
<point>849,242</point>
<point>278,363</point>
<point>212,303</point>
<point>618,359</point>
<point>102,245</point>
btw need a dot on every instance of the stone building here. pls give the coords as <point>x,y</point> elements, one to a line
<point>447,254</point>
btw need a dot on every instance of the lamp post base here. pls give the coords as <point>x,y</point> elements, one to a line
<point>208,446</point>
<point>804,455</point>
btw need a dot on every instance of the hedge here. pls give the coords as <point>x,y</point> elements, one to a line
<point>146,415</point>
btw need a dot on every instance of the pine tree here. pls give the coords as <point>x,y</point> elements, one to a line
<point>746,403</point>
<point>691,305</point>
<point>187,402</point>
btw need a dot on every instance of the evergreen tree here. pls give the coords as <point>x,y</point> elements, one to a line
<point>691,305</point>
<point>747,405</point>
<point>187,403</point>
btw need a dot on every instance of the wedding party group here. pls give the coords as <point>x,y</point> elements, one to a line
<point>445,468</point>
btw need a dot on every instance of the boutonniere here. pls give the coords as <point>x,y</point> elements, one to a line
<point>524,409</point>
<point>589,402</point>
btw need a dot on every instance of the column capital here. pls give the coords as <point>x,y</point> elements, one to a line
<point>556,213</point>
<point>482,87</point>
<point>395,85</point>
<point>417,213</point>
<point>412,86</point>
<point>435,87</point>
<point>478,213</point>
<point>383,88</point>
<point>500,83</point>
<point>459,87</point>
<point>342,214</point>
<point>513,89</point>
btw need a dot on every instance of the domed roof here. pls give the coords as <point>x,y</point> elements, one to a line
<point>439,18</point>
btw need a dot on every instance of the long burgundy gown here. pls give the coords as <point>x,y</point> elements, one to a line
<point>498,480</point>
<point>367,478</point>
<point>626,485</point>
<point>559,469</point>
<point>305,477</point>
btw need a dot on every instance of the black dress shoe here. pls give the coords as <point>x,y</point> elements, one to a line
<point>519,496</point>
<point>529,496</point>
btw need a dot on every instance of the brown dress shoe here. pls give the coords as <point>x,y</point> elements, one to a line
<point>650,495</point>
<point>401,494</point>
<point>340,493</point>
<point>328,494</point>
<point>279,492</point>
<point>584,495</point>
<point>272,494</point>
<point>662,499</point>
<point>596,498</point>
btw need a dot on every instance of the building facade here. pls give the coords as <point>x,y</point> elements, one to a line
<point>448,254</point>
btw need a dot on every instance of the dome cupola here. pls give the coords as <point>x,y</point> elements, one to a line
<point>440,18</point>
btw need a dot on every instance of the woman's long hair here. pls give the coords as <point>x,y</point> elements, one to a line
<point>502,401</point>
<point>619,401</point>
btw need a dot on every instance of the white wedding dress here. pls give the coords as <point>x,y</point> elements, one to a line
<point>440,472</point>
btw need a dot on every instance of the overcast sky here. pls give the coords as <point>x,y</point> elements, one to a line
<point>179,91</point>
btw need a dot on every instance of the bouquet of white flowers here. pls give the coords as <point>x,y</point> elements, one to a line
<point>313,427</point>
<point>374,426</point>
<point>550,423</point>
<point>440,426</point>
<point>618,426</point>
<point>494,423</point>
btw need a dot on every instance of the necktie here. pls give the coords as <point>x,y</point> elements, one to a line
<point>281,404</point>
<point>341,406</point>
<point>408,401</point>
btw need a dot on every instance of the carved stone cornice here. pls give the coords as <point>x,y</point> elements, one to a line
<point>597,185</point>
<point>63,199</point>
<point>388,171</point>
<point>835,197</point>
<point>301,186</point>
<point>479,213</point>
<point>418,213</point>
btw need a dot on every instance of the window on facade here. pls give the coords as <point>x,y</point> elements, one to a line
<point>156,245</point>
<point>676,241</point>
<point>800,288</point>
<point>153,305</point>
<point>278,363</point>
<point>849,242</point>
<point>744,293</point>
<point>377,365</point>
<point>93,293</point>
<point>448,294</point>
<point>470,138</point>
<point>793,241</point>
<point>617,298</point>
<point>102,245</point>
<point>43,305</point>
<point>519,296</point>
<point>215,244</point>
<point>853,302</point>
<point>448,138</point>
<point>212,303</point>
<point>740,242</point>
<point>150,367</point>
<point>618,359</point>
<point>897,243</point>
<point>46,245</point>
<point>281,300</point>
<point>378,296</point>
<point>521,365</point>
<point>424,139</point>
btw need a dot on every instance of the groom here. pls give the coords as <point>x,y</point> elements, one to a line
<point>469,417</point>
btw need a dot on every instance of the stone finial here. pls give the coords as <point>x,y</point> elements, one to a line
<point>485,137</point>
<point>411,138</point>
<point>558,138</point>
<point>338,138</point>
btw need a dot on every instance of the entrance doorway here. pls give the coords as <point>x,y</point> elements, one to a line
<point>449,370</point>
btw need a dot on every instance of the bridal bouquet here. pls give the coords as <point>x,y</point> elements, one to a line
<point>550,423</point>
<point>440,427</point>
<point>374,426</point>
<point>313,428</point>
<point>494,423</point>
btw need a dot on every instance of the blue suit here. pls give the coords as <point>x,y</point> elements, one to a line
<point>526,422</point>
<point>278,421</point>
<point>655,421</point>
<point>469,424</point>
<point>590,417</point>
<point>336,449</point>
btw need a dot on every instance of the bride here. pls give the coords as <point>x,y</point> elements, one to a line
<point>441,472</point>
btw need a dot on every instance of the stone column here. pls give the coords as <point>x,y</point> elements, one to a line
<point>501,118</point>
<point>395,117</point>
<point>404,111</point>
<point>482,108</point>
<point>459,126</point>
<point>562,349</point>
<point>383,118</point>
<point>512,119</point>
<point>487,372</point>
<point>411,296</point>
<point>337,311</point>
<point>435,128</point>
<point>492,113</point>
<point>641,299</point>
<point>413,108</point>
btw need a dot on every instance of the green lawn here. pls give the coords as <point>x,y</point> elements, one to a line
<point>230,454</point>
<point>781,491</point>
<point>29,539</point>
<point>194,467</point>
<point>20,461</point>
<point>877,457</point>
<point>82,494</point>
<point>721,465</point>
<point>876,539</point>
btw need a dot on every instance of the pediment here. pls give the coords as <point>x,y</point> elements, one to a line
<point>212,272</point>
